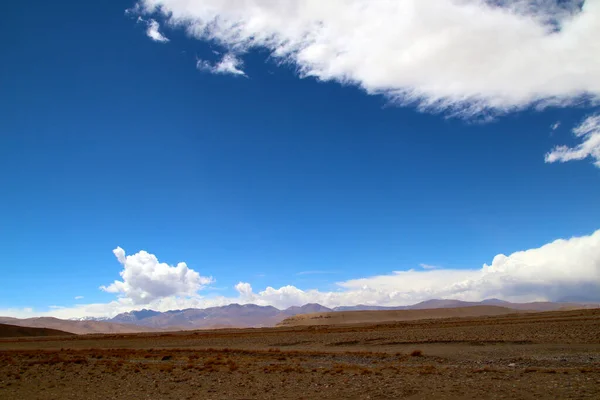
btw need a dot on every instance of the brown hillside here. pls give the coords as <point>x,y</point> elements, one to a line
<point>21,331</point>
<point>359,317</point>
<point>77,327</point>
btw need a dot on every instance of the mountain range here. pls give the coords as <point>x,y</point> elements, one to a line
<point>232,315</point>
<point>249,315</point>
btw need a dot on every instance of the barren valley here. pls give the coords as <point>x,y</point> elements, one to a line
<point>550,355</point>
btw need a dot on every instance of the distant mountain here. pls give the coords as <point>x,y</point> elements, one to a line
<point>424,305</point>
<point>362,307</point>
<point>89,319</point>
<point>134,316</point>
<point>233,315</point>
<point>252,315</point>
<point>495,302</point>
<point>306,309</point>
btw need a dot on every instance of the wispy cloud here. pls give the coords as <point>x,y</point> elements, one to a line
<point>153,30</point>
<point>78,297</point>
<point>428,266</point>
<point>588,131</point>
<point>555,125</point>
<point>230,64</point>
<point>436,54</point>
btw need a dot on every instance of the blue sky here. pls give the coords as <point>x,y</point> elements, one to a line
<point>124,130</point>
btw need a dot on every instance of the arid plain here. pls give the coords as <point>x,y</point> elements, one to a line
<point>551,355</point>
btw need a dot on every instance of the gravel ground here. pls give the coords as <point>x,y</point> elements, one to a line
<point>539,356</point>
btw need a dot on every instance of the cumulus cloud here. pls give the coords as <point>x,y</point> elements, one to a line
<point>145,279</point>
<point>230,64</point>
<point>589,134</point>
<point>469,57</point>
<point>564,268</point>
<point>244,289</point>
<point>561,269</point>
<point>153,30</point>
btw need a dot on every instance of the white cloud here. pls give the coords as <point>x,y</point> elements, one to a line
<point>230,64</point>
<point>78,297</point>
<point>464,56</point>
<point>589,134</point>
<point>25,312</point>
<point>429,266</point>
<point>153,31</point>
<point>555,125</point>
<point>244,289</point>
<point>561,269</point>
<point>145,279</point>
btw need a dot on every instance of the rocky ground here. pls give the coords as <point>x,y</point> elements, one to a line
<point>534,356</point>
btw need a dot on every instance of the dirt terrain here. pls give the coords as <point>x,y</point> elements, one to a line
<point>20,331</point>
<point>77,327</point>
<point>375,317</point>
<point>553,355</point>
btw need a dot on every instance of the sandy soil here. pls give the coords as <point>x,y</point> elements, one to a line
<point>552,355</point>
